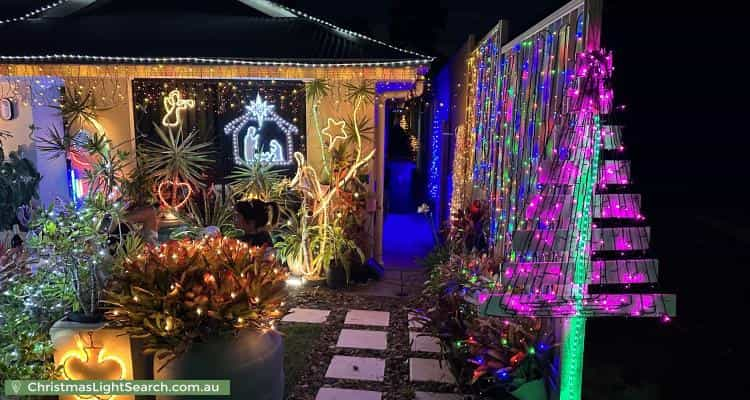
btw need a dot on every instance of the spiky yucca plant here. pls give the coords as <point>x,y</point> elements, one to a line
<point>258,180</point>
<point>177,157</point>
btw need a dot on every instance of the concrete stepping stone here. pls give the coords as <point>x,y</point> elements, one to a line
<point>428,370</point>
<point>414,325</point>
<point>347,394</point>
<point>357,368</point>
<point>429,344</point>
<point>359,339</point>
<point>437,396</point>
<point>306,315</point>
<point>369,318</point>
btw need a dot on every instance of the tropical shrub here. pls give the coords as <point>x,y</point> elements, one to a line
<point>489,356</point>
<point>187,291</point>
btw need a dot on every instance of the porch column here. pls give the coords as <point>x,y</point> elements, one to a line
<point>379,177</point>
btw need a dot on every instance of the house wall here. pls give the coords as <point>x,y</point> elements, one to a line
<point>33,101</point>
<point>18,126</point>
<point>117,119</point>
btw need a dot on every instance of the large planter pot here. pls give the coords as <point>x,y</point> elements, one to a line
<point>91,351</point>
<point>252,361</point>
<point>336,277</point>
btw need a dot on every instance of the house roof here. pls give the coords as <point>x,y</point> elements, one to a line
<point>255,32</point>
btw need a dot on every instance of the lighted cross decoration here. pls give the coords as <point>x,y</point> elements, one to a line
<point>174,104</point>
<point>260,112</point>
<point>340,125</point>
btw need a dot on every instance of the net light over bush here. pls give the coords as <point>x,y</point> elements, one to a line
<point>186,291</point>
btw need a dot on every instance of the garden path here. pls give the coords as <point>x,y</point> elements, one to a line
<point>372,352</point>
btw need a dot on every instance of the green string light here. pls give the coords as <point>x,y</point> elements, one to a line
<point>571,379</point>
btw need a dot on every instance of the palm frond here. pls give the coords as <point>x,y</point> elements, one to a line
<point>257,180</point>
<point>79,106</point>
<point>178,156</point>
<point>55,144</point>
<point>363,125</point>
<point>364,90</point>
<point>317,89</point>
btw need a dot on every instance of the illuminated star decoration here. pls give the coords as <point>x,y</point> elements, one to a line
<point>341,125</point>
<point>251,137</point>
<point>173,104</point>
<point>260,109</point>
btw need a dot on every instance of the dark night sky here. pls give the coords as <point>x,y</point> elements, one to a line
<point>680,72</point>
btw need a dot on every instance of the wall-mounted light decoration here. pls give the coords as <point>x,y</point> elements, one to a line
<point>90,361</point>
<point>7,109</point>
<point>249,144</point>
<point>91,352</point>
<point>244,120</point>
<point>167,187</point>
<point>174,104</point>
<point>331,126</point>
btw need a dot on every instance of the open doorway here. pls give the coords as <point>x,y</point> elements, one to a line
<point>407,235</point>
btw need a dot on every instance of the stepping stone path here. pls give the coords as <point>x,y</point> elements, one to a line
<point>429,370</point>
<point>357,368</point>
<point>437,396</point>
<point>307,315</point>
<point>414,325</point>
<point>356,339</point>
<point>427,344</point>
<point>372,339</point>
<point>367,318</point>
<point>347,394</point>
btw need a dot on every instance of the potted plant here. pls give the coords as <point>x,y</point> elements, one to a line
<point>206,310</point>
<point>497,357</point>
<point>77,242</point>
<point>211,213</point>
<point>290,243</point>
<point>177,163</point>
<point>337,256</point>
<point>142,205</point>
<point>19,184</point>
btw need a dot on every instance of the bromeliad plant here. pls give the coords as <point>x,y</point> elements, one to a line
<point>184,292</point>
<point>259,180</point>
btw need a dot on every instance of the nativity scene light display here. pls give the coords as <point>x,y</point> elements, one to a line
<point>249,144</point>
<point>244,120</point>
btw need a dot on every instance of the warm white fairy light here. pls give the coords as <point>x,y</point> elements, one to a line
<point>204,60</point>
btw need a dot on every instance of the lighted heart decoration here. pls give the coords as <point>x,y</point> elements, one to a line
<point>166,188</point>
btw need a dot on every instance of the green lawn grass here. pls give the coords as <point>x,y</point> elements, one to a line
<point>299,339</point>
